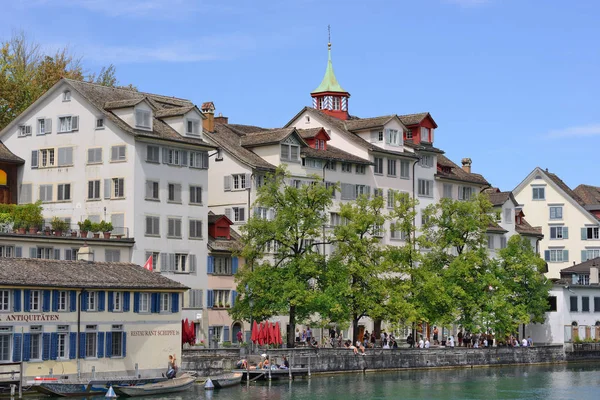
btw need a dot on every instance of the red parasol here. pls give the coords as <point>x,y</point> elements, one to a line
<point>267,332</point>
<point>192,332</point>
<point>273,334</point>
<point>278,333</point>
<point>254,336</point>
<point>184,335</point>
<point>262,335</point>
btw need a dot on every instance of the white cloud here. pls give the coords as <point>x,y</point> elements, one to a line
<point>576,131</point>
<point>469,3</point>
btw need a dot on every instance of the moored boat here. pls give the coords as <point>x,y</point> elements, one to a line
<point>174,385</point>
<point>227,380</point>
<point>75,388</point>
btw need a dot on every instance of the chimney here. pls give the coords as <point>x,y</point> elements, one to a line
<point>594,277</point>
<point>85,253</point>
<point>208,109</point>
<point>466,163</point>
<point>221,119</point>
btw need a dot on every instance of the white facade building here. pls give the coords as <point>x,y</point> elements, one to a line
<point>134,159</point>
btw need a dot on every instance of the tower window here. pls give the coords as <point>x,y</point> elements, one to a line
<point>321,103</point>
<point>336,103</point>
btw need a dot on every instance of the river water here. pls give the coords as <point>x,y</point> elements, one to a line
<point>573,381</point>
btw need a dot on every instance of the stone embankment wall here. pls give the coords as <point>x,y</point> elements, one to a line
<point>210,362</point>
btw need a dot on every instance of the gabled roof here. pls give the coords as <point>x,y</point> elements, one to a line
<point>493,227</point>
<point>177,111</point>
<point>229,140</point>
<point>583,267</point>
<point>113,105</point>
<point>414,119</point>
<point>524,228</point>
<point>213,218</point>
<point>267,137</point>
<point>35,272</point>
<point>559,182</point>
<point>498,198</point>
<point>359,124</point>
<point>457,173</point>
<point>590,195</point>
<point>7,156</point>
<point>334,154</point>
<point>312,132</point>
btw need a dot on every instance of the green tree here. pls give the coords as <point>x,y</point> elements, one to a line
<point>286,282</point>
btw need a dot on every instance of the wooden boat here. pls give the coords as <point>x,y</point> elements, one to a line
<point>174,385</point>
<point>77,388</point>
<point>227,380</point>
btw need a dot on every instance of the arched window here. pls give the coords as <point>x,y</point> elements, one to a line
<point>67,95</point>
<point>2,178</point>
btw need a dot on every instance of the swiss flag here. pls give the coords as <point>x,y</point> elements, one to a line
<point>148,264</point>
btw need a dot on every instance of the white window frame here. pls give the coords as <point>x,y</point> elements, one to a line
<point>425,134</point>
<point>47,158</point>
<point>115,192</point>
<point>143,119</point>
<point>556,232</point>
<point>35,301</point>
<point>155,225</point>
<point>144,306</point>
<point>94,189</point>
<point>62,190</point>
<point>181,262</point>
<point>235,213</point>
<point>66,95</point>
<point>378,165</point>
<point>404,169</point>
<point>5,300</point>
<point>63,301</point>
<point>426,161</point>
<point>238,182</point>
<point>360,169</point>
<point>174,228</point>
<point>99,123</point>
<point>287,151</point>
<point>222,265</point>
<point>91,341</point>
<point>67,126</point>
<point>195,192</point>
<point>35,335</point>
<point>62,346</point>
<point>425,188</point>
<point>165,303</point>
<point>392,167</point>
<point>195,125</point>
<point>92,301</point>
<point>152,150</point>
<point>121,153</point>
<point>536,191</point>
<point>558,212</point>
<point>195,228</point>
<point>593,232</point>
<point>118,301</point>
<point>155,195</point>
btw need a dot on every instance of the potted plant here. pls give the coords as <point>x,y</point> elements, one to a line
<point>95,229</point>
<point>106,228</point>
<point>34,217</point>
<point>220,305</point>
<point>59,226</point>
<point>227,305</point>
<point>19,227</point>
<point>84,227</point>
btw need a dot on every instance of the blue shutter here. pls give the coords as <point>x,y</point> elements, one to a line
<point>82,345</point>
<point>26,300</point>
<point>73,345</point>
<point>547,255</point>
<point>53,346</point>
<point>124,340</point>
<point>155,302</point>
<point>210,298</point>
<point>45,346</point>
<point>100,344</point>
<point>565,255</point>
<point>55,295</point>
<point>111,302</point>
<point>565,232</point>
<point>17,347</point>
<point>46,300</point>
<point>584,257</point>
<point>210,265</point>
<point>233,297</point>
<point>26,346</point>
<point>126,301</point>
<point>583,233</point>
<point>73,305</point>
<point>17,300</point>
<point>101,300</point>
<point>136,302</point>
<point>175,303</point>
<point>108,344</point>
<point>226,334</point>
<point>84,301</point>
<point>234,265</point>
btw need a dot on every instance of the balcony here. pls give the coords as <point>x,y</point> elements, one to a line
<point>72,231</point>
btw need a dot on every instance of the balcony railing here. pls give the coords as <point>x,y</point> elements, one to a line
<point>72,231</point>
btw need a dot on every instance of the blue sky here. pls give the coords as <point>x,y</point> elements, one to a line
<point>512,84</point>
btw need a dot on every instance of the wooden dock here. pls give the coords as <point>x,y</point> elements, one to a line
<point>272,374</point>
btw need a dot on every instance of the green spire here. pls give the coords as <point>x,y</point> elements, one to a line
<point>329,82</point>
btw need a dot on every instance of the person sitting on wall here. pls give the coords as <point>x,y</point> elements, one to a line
<point>172,367</point>
<point>286,363</point>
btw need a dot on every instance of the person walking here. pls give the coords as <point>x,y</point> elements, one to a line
<point>240,337</point>
<point>435,335</point>
<point>460,338</point>
<point>451,341</point>
<point>410,340</point>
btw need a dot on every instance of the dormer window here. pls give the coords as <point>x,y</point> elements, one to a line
<point>409,134</point>
<point>290,152</point>
<point>142,119</point>
<point>393,137</point>
<point>425,135</point>
<point>192,127</point>
<point>67,95</point>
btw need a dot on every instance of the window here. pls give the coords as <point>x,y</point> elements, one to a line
<point>409,134</point>
<point>360,169</point>
<point>174,157</point>
<point>391,198</point>
<point>362,190</point>
<point>395,232</point>
<point>152,190</point>
<point>144,302</point>
<point>47,158</point>
<point>502,242</point>
<point>380,136</point>
<point>165,302</point>
<point>95,156</point>
<point>222,265</point>
<point>596,304</point>
<point>67,95</point>
<point>585,304</point>
<point>199,159</point>
<point>239,181</point>
<point>63,300</point>
<point>154,256</point>
<point>152,226</point>
<point>35,342</point>
<point>153,154</point>
<point>306,119</point>
<point>46,193</point>
<point>378,167</point>
<point>68,124</point>
<point>426,161</point>
<point>447,191</point>
<point>331,165</point>
<point>62,348</point>
<point>290,152</point>
<point>5,300</point>
<point>331,187</point>
<point>142,119</point>
<point>393,137</point>
<point>465,192</point>
<point>92,301</point>
<point>425,135</point>
<point>117,301</point>
<point>174,192</point>
<point>238,214</point>
<point>552,306</point>
<point>556,255</point>
<point>116,346</point>
<point>336,103</point>
<point>335,219</point>
<point>195,194</point>
<point>559,232</point>
<point>195,229</point>
<point>556,212</point>
<point>174,227</point>
<point>195,298</point>
<point>346,167</point>
<point>391,167</point>
<point>312,163</point>
<point>45,253</point>
<point>94,190</point>
<point>425,188</point>
<point>118,153</point>
<point>573,304</point>
<point>63,192</point>
<point>41,126</point>
<point>118,187</point>
<point>539,193</point>
<point>112,255</point>
<point>192,127</point>
<point>91,339</point>
<point>24,130</point>
<point>100,123</point>
<point>508,218</point>
<point>591,233</point>
<point>490,242</point>
<point>181,262</point>
<point>35,301</point>
<point>7,251</point>
<point>5,343</point>
<point>221,298</point>
<point>71,254</point>
<point>404,169</point>
<point>590,254</point>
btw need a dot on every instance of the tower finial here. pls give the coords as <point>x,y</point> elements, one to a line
<point>329,37</point>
